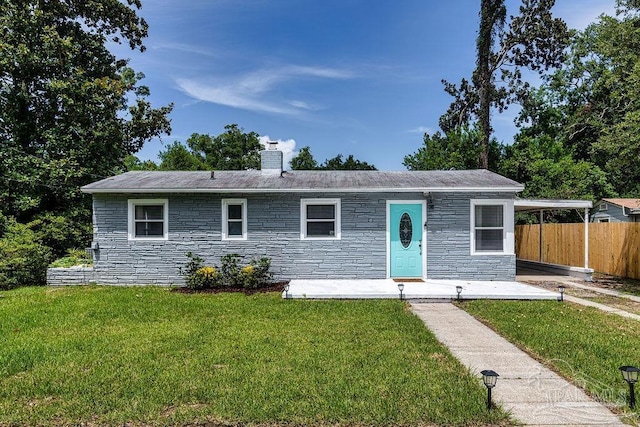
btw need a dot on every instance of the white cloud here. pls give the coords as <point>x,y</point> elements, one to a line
<point>186,48</point>
<point>421,130</point>
<point>256,91</point>
<point>287,146</point>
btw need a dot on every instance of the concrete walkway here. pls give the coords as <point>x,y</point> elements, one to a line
<point>532,393</point>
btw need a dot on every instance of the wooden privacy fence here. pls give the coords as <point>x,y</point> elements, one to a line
<point>614,247</point>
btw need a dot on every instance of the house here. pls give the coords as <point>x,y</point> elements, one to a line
<point>616,210</point>
<point>312,224</point>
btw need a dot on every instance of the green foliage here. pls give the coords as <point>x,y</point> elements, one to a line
<point>256,273</point>
<point>532,40</point>
<point>230,274</point>
<point>75,257</point>
<point>231,150</point>
<point>70,111</point>
<point>177,157</point>
<point>585,118</point>
<point>23,259</point>
<point>65,101</point>
<point>305,161</point>
<point>457,149</point>
<point>148,356</point>
<point>230,270</point>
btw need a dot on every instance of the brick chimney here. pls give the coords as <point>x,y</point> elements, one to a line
<point>271,160</point>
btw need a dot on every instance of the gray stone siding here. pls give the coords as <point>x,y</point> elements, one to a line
<point>449,241</point>
<point>273,230</point>
<point>70,276</point>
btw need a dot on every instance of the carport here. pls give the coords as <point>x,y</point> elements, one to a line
<point>540,206</point>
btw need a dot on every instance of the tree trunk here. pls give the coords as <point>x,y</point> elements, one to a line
<point>488,12</point>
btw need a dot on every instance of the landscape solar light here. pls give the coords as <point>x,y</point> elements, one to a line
<point>561,290</point>
<point>401,288</point>
<point>489,379</point>
<point>286,291</point>
<point>630,375</point>
<point>459,291</point>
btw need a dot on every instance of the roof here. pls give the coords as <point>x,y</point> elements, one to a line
<point>627,203</point>
<point>304,181</point>
<point>528,205</point>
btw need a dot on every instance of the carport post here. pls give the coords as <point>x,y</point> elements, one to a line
<point>541,221</point>
<point>586,237</point>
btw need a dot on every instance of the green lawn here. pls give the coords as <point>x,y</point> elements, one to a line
<point>581,343</point>
<point>104,355</point>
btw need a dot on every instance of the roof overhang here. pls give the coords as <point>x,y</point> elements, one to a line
<point>502,189</point>
<point>531,205</point>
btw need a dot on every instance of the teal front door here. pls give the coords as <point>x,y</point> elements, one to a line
<point>405,239</point>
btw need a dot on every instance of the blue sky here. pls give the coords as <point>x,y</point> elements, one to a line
<point>359,77</point>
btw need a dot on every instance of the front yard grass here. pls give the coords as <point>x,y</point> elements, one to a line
<point>104,355</point>
<point>582,343</point>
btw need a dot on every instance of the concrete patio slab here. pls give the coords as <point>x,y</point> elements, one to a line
<point>439,290</point>
<point>532,393</point>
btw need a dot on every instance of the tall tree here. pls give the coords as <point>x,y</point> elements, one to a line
<point>457,149</point>
<point>533,40</point>
<point>305,161</point>
<point>588,112</point>
<point>231,150</point>
<point>70,111</point>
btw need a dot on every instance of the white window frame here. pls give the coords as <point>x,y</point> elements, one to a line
<point>303,218</point>
<point>225,218</point>
<point>604,219</point>
<point>603,206</point>
<point>508,234</point>
<point>132,203</point>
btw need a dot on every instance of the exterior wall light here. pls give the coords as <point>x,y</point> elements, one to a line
<point>401,288</point>
<point>459,291</point>
<point>561,289</point>
<point>489,379</point>
<point>630,375</point>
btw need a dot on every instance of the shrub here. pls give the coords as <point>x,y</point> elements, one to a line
<point>230,270</point>
<point>23,259</point>
<point>75,257</point>
<point>261,270</point>
<point>199,276</point>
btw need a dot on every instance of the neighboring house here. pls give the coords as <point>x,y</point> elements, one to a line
<point>616,210</point>
<point>312,224</point>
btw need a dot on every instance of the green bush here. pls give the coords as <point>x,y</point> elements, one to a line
<point>74,257</point>
<point>23,259</point>
<point>256,273</point>
<point>230,270</point>
<point>200,276</point>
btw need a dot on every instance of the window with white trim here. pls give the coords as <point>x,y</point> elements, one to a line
<point>320,219</point>
<point>234,219</point>
<point>603,206</point>
<point>148,219</point>
<point>492,227</point>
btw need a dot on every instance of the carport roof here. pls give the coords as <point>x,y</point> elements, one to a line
<point>529,205</point>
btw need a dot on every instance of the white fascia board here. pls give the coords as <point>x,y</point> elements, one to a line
<point>513,189</point>
<point>522,205</point>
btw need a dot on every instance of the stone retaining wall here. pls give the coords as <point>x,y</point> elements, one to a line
<point>70,276</point>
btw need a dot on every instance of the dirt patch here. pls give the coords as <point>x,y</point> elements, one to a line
<point>270,287</point>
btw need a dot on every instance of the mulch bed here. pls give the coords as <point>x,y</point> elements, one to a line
<point>269,287</point>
